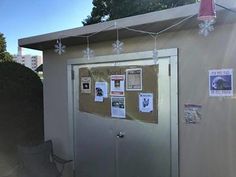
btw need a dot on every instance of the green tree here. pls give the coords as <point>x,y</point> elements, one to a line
<point>101,9</point>
<point>4,55</point>
<point>104,10</point>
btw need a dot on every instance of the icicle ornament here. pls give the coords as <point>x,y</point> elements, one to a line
<point>88,53</point>
<point>155,52</point>
<point>155,56</point>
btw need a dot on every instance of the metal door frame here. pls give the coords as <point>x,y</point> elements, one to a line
<point>172,54</point>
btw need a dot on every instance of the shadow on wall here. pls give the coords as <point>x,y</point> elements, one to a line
<point>21,112</point>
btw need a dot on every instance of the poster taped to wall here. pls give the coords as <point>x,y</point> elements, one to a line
<point>117,85</point>
<point>134,79</point>
<point>145,102</point>
<point>221,82</point>
<point>85,84</point>
<point>100,91</point>
<point>118,107</point>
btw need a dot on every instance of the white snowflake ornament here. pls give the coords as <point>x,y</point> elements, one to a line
<point>117,47</point>
<point>88,53</point>
<point>59,48</point>
<point>206,27</point>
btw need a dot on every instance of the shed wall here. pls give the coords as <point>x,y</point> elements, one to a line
<point>206,149</point>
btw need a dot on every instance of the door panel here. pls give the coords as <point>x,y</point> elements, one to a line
<point>95,150</point>
<point>144,151</point>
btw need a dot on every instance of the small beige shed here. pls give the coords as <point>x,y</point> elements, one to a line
<point>128,115</point>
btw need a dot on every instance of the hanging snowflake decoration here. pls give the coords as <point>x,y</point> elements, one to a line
<point>88,53</point>
<point>117,47</point>
<point>155,56</point>
<point>207,14</point>
<point>206,27</point>
<point>59,48</point>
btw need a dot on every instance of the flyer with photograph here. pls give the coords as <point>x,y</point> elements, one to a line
<point>117,85</point>
<point>146,102</point>
<point>118,107</point>
<point>221,82</point>
<point>134,79</point>
<point>85,84</point>
<point>101,91</point>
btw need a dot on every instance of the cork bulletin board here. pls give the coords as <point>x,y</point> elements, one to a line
<point>102,74</point>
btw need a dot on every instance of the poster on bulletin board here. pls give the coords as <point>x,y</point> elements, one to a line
<point>134,79</point>
<point>146,102</point>
<point>100,91</point>
<point>117,85</point>
<point>118,107</point>
<point>85,84</point>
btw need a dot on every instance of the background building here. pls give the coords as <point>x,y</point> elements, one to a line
<point>29,61</point>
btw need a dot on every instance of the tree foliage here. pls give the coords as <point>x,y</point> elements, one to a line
<point>4,55</point>
<point>104,10</point>
<point>21,111</point>
<point>21,93</point>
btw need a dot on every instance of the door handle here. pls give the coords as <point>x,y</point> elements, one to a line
<point>120,135</point>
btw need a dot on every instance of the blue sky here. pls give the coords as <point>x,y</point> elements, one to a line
<point>25,18</point>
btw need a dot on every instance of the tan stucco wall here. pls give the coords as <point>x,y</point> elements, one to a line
<point>207,149</point>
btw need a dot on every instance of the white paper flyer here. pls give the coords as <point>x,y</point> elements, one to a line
<point>146,102</point>
<point>85,84</point>
<point>134,79</point>
<point>117,85</point>
<point>118,107</point>
<point>100,91</point>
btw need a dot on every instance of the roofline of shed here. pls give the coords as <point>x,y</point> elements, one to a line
<point>148,18</point>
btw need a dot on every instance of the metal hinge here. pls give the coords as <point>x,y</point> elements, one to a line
<point>72,74</point>
<point>169,69</point>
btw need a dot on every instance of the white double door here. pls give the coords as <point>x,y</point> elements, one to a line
<point>109,147</point>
